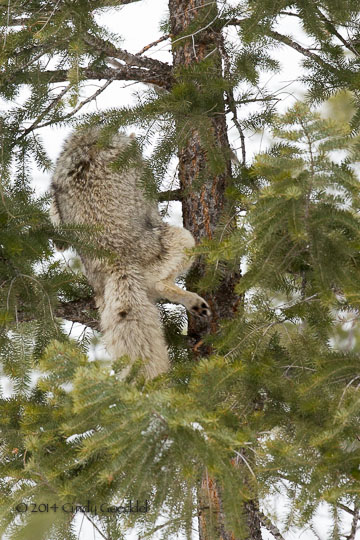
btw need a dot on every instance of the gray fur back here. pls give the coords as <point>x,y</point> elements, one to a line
<point>88,191</point>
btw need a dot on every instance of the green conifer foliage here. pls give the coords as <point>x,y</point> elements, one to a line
<point>275,407</point>
<point>299,241</point>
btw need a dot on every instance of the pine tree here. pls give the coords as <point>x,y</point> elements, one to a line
<point>264,398</point>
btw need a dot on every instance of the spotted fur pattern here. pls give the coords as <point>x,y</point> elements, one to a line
<point>148,253</point>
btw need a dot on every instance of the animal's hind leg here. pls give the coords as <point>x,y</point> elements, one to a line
<point>174,262</point>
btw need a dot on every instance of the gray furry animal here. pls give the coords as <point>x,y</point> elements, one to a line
<point>148,253</point>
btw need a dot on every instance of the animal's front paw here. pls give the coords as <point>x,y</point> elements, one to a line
<point>200,308</point>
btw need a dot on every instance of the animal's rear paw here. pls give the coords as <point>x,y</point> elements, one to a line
<point>200,308</point>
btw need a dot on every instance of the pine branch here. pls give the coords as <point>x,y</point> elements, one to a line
<point>80,311</point>
<point>331,27</point>
<point>160,77</point>
<point>170,195</point>
<point>290,43</point>
<point>267,523</point>
<point>114,3</point>
<point>12,75</point>
<point>20,21</point>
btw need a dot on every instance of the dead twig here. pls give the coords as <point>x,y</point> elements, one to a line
<point>147,47</point>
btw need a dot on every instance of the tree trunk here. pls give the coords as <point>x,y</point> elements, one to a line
<point>194,35</point>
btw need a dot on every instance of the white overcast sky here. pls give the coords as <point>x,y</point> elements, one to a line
<point>138,24</point>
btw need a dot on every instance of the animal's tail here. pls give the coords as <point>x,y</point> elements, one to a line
<point>131,324</point>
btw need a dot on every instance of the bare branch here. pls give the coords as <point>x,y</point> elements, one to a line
<point>290,13</point>
<point>294,45</point>
<point>197,31</point>
<point>315,533</point>
<point>299,48</point>
<point>354,524</point>
<point>230,101</point>
<point>53,104</point>
<point>253,100</point>
<point>130,59</point>
<point>76,109</point>
<point>346,508</point>
<point>89,518</point>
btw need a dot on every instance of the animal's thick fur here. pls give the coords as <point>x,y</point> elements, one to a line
<point>149,254</point>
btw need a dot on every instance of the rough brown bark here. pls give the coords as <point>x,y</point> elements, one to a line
<point>202,211</point>
<point>83,311</point>
<point>212,518</point>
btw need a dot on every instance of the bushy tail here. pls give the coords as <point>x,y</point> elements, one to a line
<point>131,324</point>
